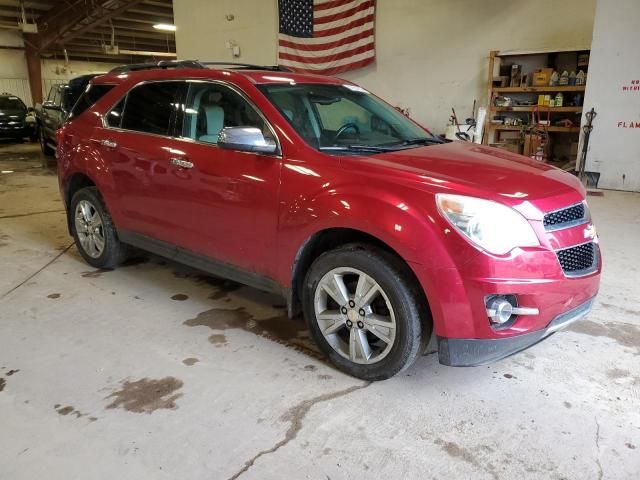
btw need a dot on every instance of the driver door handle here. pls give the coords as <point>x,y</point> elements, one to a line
<point>181,162</point>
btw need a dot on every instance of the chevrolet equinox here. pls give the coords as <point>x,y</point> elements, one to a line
<point>314,188</point>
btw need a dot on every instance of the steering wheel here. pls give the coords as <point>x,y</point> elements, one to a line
<point>344,128</point>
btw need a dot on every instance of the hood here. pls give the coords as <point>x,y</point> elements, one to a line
<point>478,170</point>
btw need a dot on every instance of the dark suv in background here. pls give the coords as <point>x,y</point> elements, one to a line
<point>15,118</point>
<point>55,109</point>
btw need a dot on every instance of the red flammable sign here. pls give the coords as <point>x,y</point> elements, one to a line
<point>633,86</point>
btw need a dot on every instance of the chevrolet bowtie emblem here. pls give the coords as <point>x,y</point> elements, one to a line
<point>590,232</point>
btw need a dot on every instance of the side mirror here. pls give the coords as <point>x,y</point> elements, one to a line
<point>246,139</point>
<point>50,106</point>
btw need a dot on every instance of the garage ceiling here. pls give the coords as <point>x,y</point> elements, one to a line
<point>85,28</point>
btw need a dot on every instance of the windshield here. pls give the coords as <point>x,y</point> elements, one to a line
<point>12,103</point>
<point>345,118</point>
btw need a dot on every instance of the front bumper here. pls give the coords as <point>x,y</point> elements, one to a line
<point>20,130</point>
<point>463,352</point>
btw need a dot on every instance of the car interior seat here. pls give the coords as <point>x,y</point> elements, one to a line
<point>214,119</point>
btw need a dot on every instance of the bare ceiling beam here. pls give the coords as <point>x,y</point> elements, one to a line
<point>157,3</point>
<point>136,17</point>
<point>122,44</point>
<point>9,25</point>
<point>140,27</point>
<point>122,33</point>
<point>27,5</point>
<point>124,56</point>
<point>150,11</point>
<point>82,18</point>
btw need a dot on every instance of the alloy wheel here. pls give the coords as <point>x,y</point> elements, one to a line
<point>89,228</point>
<point>355,315</point>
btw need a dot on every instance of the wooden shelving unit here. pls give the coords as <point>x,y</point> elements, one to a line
<point>561,149</point>
<point>513,128</point>
<point>573,88</point>
<point>529,108</point>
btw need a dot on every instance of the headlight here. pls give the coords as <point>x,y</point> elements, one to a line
<point>489,225</point>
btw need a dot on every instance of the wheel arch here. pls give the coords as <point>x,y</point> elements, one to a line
<point>74,182</point>
<point>330,239</point>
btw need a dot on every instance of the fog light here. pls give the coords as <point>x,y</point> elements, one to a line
<point>499,310</point>
<point>503,308</point>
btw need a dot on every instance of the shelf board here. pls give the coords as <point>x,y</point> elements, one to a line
<point>515,53</point>
<point>549,129</point>
<point>527,108</point>
<point>570,88</point>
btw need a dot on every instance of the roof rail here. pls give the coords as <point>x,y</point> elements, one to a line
<point>133,67</point>
<point>248,66</point>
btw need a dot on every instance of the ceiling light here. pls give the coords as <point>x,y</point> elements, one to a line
<point>165,26</point>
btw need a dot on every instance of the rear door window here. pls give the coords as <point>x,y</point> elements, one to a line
<point>150,107</point>
<point>91,95</point>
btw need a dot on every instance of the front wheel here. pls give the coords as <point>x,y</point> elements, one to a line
<point>364,312</point>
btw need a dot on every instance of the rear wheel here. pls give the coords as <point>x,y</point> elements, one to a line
<point>364,312</point>
<point>93,230</point>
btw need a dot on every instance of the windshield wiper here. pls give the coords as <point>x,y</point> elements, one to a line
<point>383,148</point>
<point>422,141</point>
<point>357,148</point>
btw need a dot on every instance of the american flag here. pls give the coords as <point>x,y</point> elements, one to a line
<point>326,36</point>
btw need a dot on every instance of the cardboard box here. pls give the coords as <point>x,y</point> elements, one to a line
<point>542,77</point>
<point>531,144</point>
<point>508,146</point>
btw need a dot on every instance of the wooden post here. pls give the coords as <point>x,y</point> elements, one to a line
<point>34,69</point>
<point>488,135</point>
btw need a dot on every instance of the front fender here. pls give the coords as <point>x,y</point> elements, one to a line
<point>405,219</point>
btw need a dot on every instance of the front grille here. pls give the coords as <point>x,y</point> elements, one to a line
<point>565,217</point>
<point>578,260</point>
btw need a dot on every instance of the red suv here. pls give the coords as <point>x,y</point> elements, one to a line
<point>314,188</point>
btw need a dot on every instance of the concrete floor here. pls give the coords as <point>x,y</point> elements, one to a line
<point>153,371</point>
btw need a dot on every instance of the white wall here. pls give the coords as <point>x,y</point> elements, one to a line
<point>431,54</point>
<point>13,68</point>
<point>615,64</point>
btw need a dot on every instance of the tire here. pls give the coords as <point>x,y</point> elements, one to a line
<point>88,204</point>
<point>399,310</point>
<point>46,149</point>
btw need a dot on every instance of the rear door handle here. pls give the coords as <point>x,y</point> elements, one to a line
<point>106,143</point>
<point>181,162</point>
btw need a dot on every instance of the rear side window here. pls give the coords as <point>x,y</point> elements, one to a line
<point>114,117</point>
<point>149,107</point>
<point>91,95</point>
